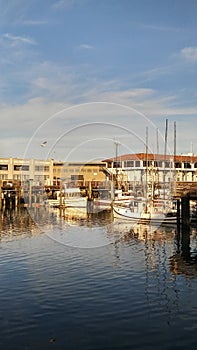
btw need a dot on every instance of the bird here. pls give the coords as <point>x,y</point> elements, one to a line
<point>43,144</point>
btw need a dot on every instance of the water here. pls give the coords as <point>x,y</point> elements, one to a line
<point>136,291</point>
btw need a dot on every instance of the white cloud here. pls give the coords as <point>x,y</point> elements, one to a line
<point>60,4</point>
<point>189,54</point>
<point>34,22</point>
<point>85,46</point>
<point>19,39</point>
<point>111,116</point>
<point>162,28</point>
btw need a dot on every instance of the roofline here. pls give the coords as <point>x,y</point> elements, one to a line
<point>151,156</point>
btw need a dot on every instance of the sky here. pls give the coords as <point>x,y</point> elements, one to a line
<point>97,77</point>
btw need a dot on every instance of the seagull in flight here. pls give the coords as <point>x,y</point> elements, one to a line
<point>43,144</point>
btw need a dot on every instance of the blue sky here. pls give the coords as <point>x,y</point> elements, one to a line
<point>67,65</point>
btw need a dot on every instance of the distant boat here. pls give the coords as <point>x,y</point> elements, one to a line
<point>101,199</point>
<point>68,198</point>
<point>73,198</point>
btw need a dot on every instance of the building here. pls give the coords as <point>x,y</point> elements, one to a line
<point>125,169</point>
<point>79,173</point>
<point>131,170</point>
<point>40,172</point>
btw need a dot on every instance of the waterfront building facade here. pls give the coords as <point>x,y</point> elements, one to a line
<point>126,169</point>
<point>135,169</point>
<point>39,172</point>
<point>79,173</point>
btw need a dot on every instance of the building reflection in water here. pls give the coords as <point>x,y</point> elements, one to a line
<point>163,246</point>
<point>184,261</point>
<point>23,222</point>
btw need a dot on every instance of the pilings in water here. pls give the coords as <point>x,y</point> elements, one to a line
<point>12,197</point>
<point>9,199</point>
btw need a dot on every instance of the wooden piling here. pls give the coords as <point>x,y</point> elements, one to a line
<point>178,215</point>
<point>185,214</point>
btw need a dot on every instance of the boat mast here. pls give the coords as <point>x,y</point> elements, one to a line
<point>157,157</point>
<point>174,163</point>
<point>174,140</point>
<point>157,139</point>
<point>146,178</point>
<point>165,151</point>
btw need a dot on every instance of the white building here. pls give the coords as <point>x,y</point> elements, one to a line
<point>142,167</point>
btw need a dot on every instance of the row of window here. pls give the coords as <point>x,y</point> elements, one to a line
<point>127,164</point>
<point>156,164</point>
<point>25,167</point>
<point>71,170</point>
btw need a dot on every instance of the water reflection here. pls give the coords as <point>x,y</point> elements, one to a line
<point>15,224</point>
<point>140,283</point>
<point>184,261</point>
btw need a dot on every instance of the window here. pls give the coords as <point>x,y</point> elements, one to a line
<point>167,164</point>
<point>25,167</point>
<point>76,177</point>
<point>3,176</point>
<point>178,165</point>
<point>187,165</point>
<point>39,168</point>
<point>146,164</point>
<point>17,167</point>
<point>195,165</point>
<point>117,164</point>
<point>3,166</point>
<point>21,167</point>
<point>137,163</point>
<point>129,163</point>
<point>158,164</point>
<point>16,177</point>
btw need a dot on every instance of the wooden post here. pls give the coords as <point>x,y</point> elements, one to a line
<point>30,192</point>
<point>185,236</point>
<point>178,215</point>
<point>185,215</point>
<point>60,198</point>
<point>0,197</point>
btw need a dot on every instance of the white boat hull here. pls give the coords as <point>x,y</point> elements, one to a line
<point>153,218</point>
<point>75,202</point>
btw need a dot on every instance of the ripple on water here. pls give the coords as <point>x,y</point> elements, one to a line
<point>123,295</point>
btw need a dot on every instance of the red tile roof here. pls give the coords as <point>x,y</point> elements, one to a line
<point>150,156</point>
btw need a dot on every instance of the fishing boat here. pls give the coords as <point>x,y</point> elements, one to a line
<point>142,211</point>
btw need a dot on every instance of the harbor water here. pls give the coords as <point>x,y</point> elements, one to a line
<point>92,282</point>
